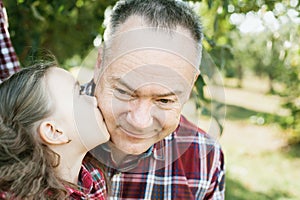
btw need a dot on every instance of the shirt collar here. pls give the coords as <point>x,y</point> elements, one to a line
<point>157,151</point>
<point>130,161</point>
<point>85,183</point>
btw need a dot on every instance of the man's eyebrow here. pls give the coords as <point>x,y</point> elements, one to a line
<point>122,82</point>
<point>171,93</point>
<point>175,93</point>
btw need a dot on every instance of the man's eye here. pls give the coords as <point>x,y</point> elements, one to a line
<point>166,101</point>
<point>122,94</point>
<point>121,91</point>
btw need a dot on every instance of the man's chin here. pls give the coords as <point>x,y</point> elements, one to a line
<point>136,151</point>
<point>130,149</point>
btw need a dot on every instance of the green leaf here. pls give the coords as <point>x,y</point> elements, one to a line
<point>79,3</point>
<point>61,8</point>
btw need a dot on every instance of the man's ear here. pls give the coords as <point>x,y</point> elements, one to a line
<point>196,76</point>
<point>50,134</point>
<point>97,69</point>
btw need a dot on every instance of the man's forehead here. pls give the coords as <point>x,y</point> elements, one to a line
<point>158,88</point>
<point>152,66</point>
<point>151,74</point>
<point>153,39</point>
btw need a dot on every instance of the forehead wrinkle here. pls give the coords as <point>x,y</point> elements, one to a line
<point>178,41</point>
<point>136,91</point>
<point>117,79</point>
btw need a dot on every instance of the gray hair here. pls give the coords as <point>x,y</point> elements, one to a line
<point>166,14</point>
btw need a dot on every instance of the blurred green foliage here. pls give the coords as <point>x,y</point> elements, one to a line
<point>68,27</point>
<point>273,54</point>
<point>65,27</point>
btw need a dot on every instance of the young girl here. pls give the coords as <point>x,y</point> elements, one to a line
<point>46,129</point>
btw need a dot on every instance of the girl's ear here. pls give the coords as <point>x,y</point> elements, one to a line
<point>51,135</point>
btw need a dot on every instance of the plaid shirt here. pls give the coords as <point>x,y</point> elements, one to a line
<point>92,183</point>
<point>9,63</point>
<point>187,164</point>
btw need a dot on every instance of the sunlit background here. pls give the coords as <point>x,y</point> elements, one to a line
<point>250,72</point>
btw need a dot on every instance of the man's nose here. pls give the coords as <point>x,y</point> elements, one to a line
<point>139,115</point>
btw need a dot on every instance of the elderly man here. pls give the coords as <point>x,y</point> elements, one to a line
<point>144,74</point>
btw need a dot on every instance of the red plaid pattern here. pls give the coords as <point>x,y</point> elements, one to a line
<point>9,63</point>
<point>188,164</point>
<point>92,183</point>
